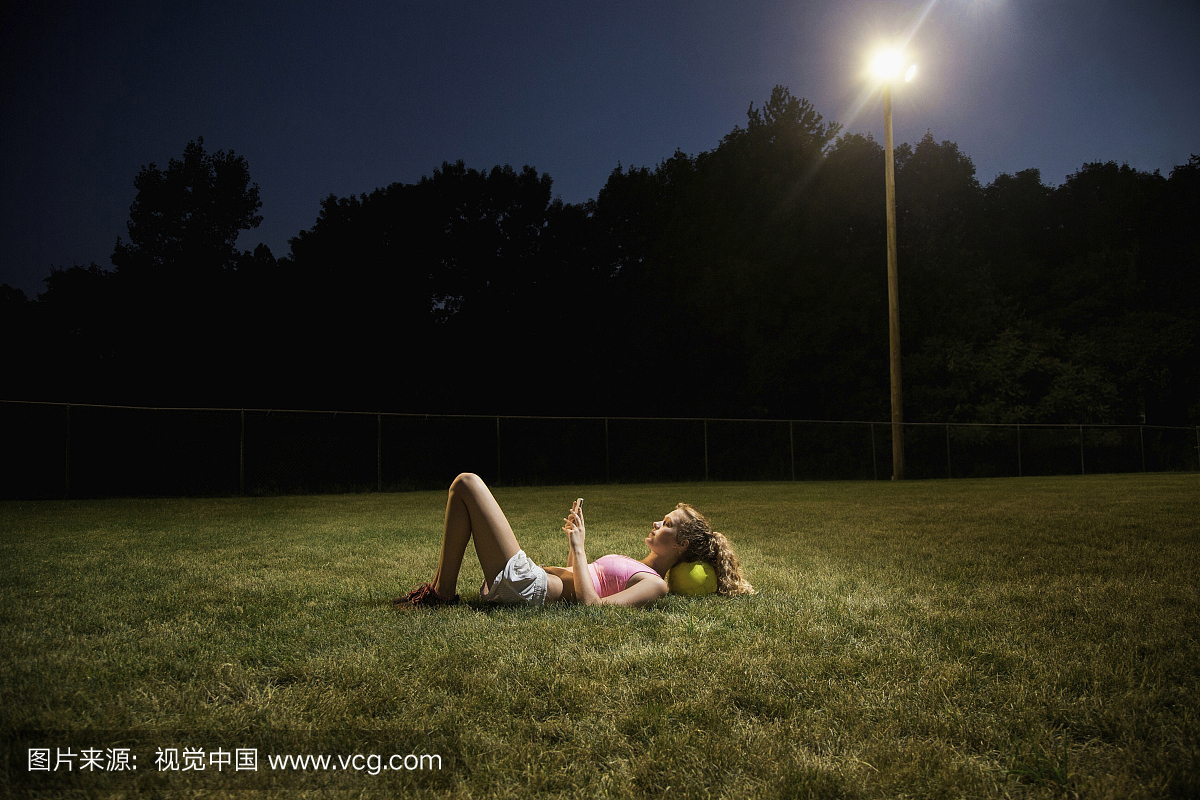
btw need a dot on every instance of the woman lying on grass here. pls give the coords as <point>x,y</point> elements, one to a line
<point>472,511</point>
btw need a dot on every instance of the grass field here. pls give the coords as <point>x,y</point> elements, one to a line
<point>1029,637</point>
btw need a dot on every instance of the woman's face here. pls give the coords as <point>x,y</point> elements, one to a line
<point>662,534</point>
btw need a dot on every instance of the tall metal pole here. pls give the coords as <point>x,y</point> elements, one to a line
<point>893,294</point>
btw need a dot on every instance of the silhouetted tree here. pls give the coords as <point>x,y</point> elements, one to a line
<point>185,220</point>
<point>1015,231</point>
<point>1124,241</point>
<point>748,280</point>
<point>23,334</point>
<point>944,285</point>
<point>464,262</point>
<point>1172,276</point>
<point>176,273</point>
<point>11,298</point>
<point>1101,214</point>
<point>80,303</point>
<point>735,262</point>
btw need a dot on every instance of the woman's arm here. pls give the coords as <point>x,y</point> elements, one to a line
<point>585,592</point>
<point>642,589</point>
<point>576,506</point>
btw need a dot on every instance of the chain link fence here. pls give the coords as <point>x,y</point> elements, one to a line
<point>58,450</point>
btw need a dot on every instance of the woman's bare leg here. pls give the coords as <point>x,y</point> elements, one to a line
<point>472,512</point>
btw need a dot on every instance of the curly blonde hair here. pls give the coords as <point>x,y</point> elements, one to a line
<point>705,544</point>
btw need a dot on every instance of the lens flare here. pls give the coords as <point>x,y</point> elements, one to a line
<point>886,64</point>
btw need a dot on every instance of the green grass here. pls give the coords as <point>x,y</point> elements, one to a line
<point>1005,638</point>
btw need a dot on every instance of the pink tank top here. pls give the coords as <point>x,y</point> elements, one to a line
<point>611,573</point>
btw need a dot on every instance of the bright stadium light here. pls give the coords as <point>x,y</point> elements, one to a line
<point>887,64</point>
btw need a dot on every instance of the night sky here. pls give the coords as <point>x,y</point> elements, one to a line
<point>345,97</point>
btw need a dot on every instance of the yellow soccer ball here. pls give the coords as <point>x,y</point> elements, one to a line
<point>692,578</point>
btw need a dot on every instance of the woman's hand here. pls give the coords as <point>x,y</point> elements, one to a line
<point>573,525</point>
<point>585,590</point>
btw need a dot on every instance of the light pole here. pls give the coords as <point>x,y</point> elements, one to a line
<point>886,66</point>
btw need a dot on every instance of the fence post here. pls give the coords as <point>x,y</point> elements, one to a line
<point>874,458</point>
<point>497,449</point>
<point>607,479</point>
<point>67,456</point>
<point>705,449</point>
<point>242,454</point>
<point>1020,473</point>
<point>792,447</point>
<point>379,452</point>
<point>948,472</point>
<point>1082,468</point>
<point>1142,436</point>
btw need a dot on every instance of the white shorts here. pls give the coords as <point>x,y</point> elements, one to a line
<point>521,582</point>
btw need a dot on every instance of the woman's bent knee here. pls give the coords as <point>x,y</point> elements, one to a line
<point>466,482</point>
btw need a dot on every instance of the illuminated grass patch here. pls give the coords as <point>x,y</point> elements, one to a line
<point>1026,637</point>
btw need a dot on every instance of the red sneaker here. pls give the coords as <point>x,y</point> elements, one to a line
<point>423,596</point>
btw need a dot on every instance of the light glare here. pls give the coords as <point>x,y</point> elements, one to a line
<point>886,64</point>
<point>912,70</point>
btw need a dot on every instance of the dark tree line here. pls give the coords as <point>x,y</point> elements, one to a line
<point>747,280</point>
